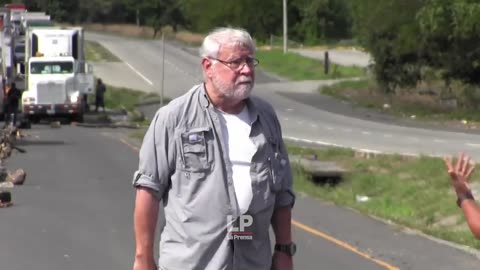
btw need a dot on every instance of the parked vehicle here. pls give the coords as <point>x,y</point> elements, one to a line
<point>56,73</point>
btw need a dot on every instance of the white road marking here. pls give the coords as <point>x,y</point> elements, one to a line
<point>289,110</point>
<point>439,140</point>
<point>310,141</point>
<point>473,144</point>
<point>313,125</point>
<point>329,128</point>
<point>387,135</point>
<point>139,74</point>
<point>366,133</point>
<point>365,150</point>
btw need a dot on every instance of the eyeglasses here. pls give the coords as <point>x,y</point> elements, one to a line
<point>238,64</point>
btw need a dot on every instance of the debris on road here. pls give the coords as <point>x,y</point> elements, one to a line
<point>55,124</point>
<point>8,138</point>
<point>5,199</point>
<point>113,119</point>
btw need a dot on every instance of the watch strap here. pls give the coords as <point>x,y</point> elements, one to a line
<point>290,249</point>
<point>462,197</point>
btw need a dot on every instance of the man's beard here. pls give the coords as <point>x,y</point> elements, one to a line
<point>234,91</point>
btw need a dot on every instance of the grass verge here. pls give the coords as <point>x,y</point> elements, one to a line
<point>95,52</point>
<point>414,192</point>
<point>297,67</point>
<point>125,98</point>
<point>419,103</point>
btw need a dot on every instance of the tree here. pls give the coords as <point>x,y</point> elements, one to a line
<point>321,20</point>
<point>450,32</point>
<point>388,29</point>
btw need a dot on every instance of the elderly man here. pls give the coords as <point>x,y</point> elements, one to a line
<point>216,159</point>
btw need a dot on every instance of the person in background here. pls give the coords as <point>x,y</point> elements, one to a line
<point>100,95</point>
<point>12,104</point>
<point>460,174</point>
<point>4,91</point>
<point>216,159</point>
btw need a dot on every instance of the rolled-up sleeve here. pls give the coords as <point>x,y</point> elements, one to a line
<point>155,157</point>
<point>286,196</point>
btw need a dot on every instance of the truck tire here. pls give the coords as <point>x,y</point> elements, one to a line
<point>78,118</point>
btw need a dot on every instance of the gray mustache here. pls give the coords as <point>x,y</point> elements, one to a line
<point>245,80</point>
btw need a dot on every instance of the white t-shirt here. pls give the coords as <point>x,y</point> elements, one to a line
<point>236,131</point>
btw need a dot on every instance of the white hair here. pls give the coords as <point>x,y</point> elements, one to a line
<point>225,37</point>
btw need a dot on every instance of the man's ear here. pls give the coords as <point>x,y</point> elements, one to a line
<point>207,66</point>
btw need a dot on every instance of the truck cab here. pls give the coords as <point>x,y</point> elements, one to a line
<point>56,73</point>
<point>52,89</point>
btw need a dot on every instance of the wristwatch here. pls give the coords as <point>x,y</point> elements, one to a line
<point>462,197</point>
<point>290,249</point>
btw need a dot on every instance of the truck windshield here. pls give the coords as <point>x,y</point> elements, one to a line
<point>51,67</point>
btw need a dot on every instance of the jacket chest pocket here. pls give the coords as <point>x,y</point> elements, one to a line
<point>195,149</point>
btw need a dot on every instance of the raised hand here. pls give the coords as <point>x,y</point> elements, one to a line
<point>460,173</point>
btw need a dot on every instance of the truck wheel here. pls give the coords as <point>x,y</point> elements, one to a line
<point>25,123</point>
<point>78,118</point>
<point>34,119</point>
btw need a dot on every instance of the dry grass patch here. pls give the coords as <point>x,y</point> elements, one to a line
<point>189,37</point>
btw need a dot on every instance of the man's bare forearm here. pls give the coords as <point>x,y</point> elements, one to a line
<point>282,224</point>
<point>145,221</point>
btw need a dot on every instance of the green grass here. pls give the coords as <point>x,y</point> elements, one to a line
<point>124,98</point>
<point>139,134</point>
<point>414,192</point>
<point>97,53</point>
<point>297,67</point>
<point>335,90</point>
<point>365,93</point>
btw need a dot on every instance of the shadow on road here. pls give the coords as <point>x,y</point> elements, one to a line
<point>42,142</point>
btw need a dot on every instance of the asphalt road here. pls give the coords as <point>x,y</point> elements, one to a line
<point>75,209</point>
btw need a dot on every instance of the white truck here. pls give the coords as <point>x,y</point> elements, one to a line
<point>34,19</point>
<point>56,73</point>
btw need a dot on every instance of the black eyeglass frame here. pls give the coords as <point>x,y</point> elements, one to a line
<point>238,64</point>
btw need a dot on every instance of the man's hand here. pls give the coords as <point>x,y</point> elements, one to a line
<point>144,264</point>
<point>460,174</point>
<point>282,261</point>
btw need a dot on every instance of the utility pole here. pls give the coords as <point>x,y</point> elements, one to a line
<point>285,36</point>
<point>163,69</point>
<point>138,16</point>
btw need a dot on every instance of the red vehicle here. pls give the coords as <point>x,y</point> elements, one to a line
<point>15,6</point>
